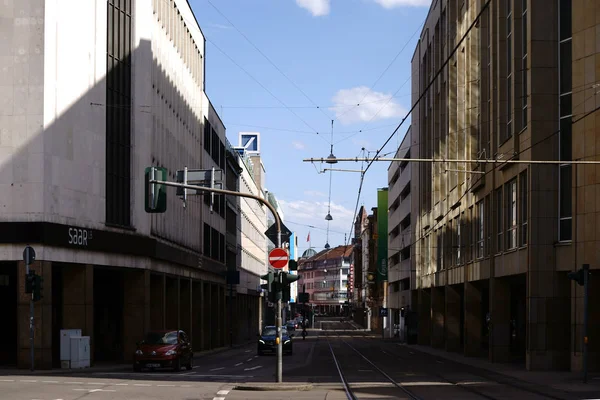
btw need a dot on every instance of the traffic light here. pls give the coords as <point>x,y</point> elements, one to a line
<point>286,280</point>
<point>29,281</point>
<point>155,194</point>
<point>402,312</point>
<point>270,285</point>
<point>577,276</point>
<point>38,287</point>
<point>293,265</point>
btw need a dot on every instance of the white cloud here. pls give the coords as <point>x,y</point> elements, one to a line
<point>314,212</point>
<point>373,105</point>
<point>401,3</point>
<point>298,145</point>
<point>314,193</point>
<point>220,26</point>
<point>317,8</point>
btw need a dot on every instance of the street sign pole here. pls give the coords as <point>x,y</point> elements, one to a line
<point>29,257</point>
<point>152,180</point>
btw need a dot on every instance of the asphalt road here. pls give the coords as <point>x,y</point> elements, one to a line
<point>340,362</point>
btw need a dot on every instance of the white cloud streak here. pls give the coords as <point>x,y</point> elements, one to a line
<point>298,145</point>
<point>317,8</point>
<point>372,106</point>
<point>314,212</point>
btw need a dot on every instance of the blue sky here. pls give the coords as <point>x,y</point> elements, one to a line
<point>326,54</point>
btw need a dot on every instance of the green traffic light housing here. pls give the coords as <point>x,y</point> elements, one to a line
<point>293,265</point>
<point>155,194</point>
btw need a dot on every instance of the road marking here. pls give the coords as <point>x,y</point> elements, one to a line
<point>187,373</point>
<point>72,383</point>
<point>223,392</point>
<point>27,380</point>
<point>122,384</point>
<point>365,370</point>
<point>225,376</point>
<point>238,364</point>
<point>218,398</point>
<point>7,380</point>
<point>141,384</point>
<point>253,368</point>
<point>247,351</point>
<point>195,367</point>
<point>255,357</point>
<point>217,369</point>
<point>186,385</point>
<point>438,361</point>
<point>411,352</point>
<point>96,383</point>
<point>102,390</point>
<point>165,385</point>
<point>49,381</point>
<point>250,359</point>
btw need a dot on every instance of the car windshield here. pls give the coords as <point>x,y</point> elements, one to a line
<point>273,331</point>
<point>161,338</point>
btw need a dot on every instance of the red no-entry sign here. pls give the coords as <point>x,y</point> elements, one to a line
<point>278,258</point>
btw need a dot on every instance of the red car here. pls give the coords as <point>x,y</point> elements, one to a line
<point>164,349</point>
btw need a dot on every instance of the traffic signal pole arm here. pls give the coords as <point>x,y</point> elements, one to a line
<point>230,192</point>
<point>279,369</point>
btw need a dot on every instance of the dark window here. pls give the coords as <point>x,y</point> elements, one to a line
<point>214,244</point>
<point>499,224</point>
<point>214,153</point>
<point>207,130</point>
<point>206,239</point>
<point>565,66</point>
<point>524,187</point>
<point>118,113</point>
<point>565,19</point>
<point>511,214</point>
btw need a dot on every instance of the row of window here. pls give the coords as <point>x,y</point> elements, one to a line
<point>213,144</point>
<point>177,30</point>
<point>474,234</point>
<point>214,243</point>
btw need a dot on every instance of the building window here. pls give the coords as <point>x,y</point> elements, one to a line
<point>511,215</point>
<point>524,83</point>
<point>499,224</point>
<point>457,239</point>
<point>565,111</point>
<point>509,70</point>
<point>207,130</point>
<point>480,231</point>
<point>118,113</point>
<point>440,250</point>
<point>488,224</point>
<point>524,204</point>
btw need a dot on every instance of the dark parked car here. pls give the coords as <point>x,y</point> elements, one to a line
<point>266,341</point>
<point>164,349</point>
<point>291,325</point>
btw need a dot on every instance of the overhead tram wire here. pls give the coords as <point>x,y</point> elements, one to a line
<point>493,169</point>
<point>384,72</point>
<point>425,91</point>
<point>269,60</point>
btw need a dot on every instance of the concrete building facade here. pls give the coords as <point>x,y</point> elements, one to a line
<point>400,238</point>
<point>87,103</point>
<point>495,241</point>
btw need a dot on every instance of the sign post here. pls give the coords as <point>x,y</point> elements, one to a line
<point>29,257</point>
<point>278,258</point>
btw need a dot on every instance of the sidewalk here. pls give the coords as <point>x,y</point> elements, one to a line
<point>565,381</point>
<point>110,367</point>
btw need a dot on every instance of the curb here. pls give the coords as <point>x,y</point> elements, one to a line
<point>274,387</point>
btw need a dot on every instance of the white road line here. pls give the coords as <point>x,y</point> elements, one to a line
<point>411,352</point>
<point>217,369</point>
<point>255,357</point>
<point>253,368</point>
<point>247,351</point>
<point>438,361</point>
<point>96,383</point>
<point>72,383</point>
<point>165,385</point>
<point>141,384</point>
<point>122,384</point>
<point>218,398</point>
<point>186,386</point>
<point>49,381</point>
<point>223,392</point>
<point>7,380</point>
<point>27,380</point>
<point>102,390</point>
<point>250,359</point>
<point>238,364</point>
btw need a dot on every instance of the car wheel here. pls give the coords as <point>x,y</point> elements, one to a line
<point>190,363</point>
<point>177,366</point>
